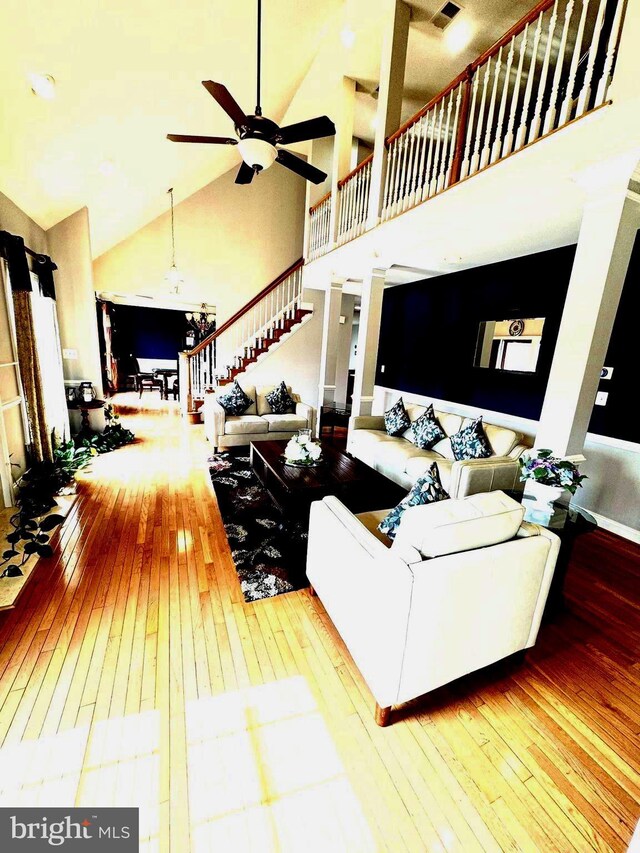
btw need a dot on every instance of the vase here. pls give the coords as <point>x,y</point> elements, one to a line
<point>544,496</point>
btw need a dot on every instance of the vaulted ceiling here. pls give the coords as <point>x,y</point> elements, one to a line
<point>129,71</point>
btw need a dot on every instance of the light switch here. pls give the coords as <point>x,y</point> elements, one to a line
<point>382,368</point>
<point>606,373</point>
<point>601,398</point>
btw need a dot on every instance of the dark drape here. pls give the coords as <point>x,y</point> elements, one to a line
<point>12,248</point>
<point>44,267</point>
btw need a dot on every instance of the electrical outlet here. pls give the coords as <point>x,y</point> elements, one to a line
<point>601,398</point>
<point>70,354</point>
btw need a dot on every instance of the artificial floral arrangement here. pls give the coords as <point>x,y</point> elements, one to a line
<point>548,470</point>
<point>301,450</point>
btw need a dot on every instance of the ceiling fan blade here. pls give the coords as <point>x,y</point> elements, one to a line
<point>300,167</point>
<point>245,174</point>
<point>214,140</point>
<point>313,128</point>
<point>226,100</point>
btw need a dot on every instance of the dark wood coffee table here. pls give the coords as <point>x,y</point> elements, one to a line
<point>294,489</point>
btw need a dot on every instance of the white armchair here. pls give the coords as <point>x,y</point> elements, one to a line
<point>463,585</point>
<point>258,423</point>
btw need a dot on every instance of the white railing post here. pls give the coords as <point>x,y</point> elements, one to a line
<point>534,128</point>
<point>550,116</point>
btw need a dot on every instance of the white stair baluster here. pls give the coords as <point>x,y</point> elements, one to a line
<point>486,150</point>
<point>497,142</point>
<point>430,152</point>
<point>453,138</point>
<point>466,161</point>
<point>534,128</point>
<point>567,103</point>
<point>515,97</point>
<point>424,144</point>
<point>550,116</point>
<point>611,49</point>
<point>522,127</point>
<point>475,158</point>
<point>585,93</point>
<point>444,156</point>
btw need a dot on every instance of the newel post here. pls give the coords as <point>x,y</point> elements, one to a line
<point>184,382</point>
<point>461,135</point>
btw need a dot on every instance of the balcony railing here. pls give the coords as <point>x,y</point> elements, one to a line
<point>552,67</point>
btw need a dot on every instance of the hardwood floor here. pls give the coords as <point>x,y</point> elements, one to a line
<point>133,673</point>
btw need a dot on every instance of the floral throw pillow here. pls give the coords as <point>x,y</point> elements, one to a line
<point>396,420</point>
<point>426,430</point>
<point>280,401</point>
<point>236,401</point>
<point>471,442</point>
<point>426,490</point>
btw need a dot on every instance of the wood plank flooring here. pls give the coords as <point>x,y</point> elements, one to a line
<point>133,673</point>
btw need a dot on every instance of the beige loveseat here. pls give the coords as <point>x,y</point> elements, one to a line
<point>399,459</point>
<point>258,423</point>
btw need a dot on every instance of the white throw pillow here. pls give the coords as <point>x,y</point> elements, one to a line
<point>450,526</point>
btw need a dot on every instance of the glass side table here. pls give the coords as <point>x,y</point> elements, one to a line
<point>333,415</point>
<point>568,523</point>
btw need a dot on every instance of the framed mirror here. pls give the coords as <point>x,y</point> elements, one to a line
<point>512,345</point>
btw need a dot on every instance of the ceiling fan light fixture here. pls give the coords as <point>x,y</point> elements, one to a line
<point>257,153</point>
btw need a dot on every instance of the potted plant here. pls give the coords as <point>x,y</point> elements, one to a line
<point>549,475</point>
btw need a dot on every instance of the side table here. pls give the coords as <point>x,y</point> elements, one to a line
<point>568,523</point>
<point>84,406</point>
<point>333,415</point>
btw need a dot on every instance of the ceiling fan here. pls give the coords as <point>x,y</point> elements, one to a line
<point>258,137</point>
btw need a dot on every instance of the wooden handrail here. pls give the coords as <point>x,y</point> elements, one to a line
<point>355,171</point>
<point>511,33</point>
<point>318,203</point>
<point>245,308</point>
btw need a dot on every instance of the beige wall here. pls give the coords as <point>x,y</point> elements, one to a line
<point>70,248</point>
<point>231,241</point>
<point>297,360</point>
<point>12,219</point>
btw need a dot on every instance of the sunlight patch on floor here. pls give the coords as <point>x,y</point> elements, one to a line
<point>265,775</point>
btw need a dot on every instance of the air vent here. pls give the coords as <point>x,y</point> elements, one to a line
<point>443,18</point>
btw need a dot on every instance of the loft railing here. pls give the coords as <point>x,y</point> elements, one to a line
<point>552,67</point>
<point>244,337</point>
<point>353,204</point>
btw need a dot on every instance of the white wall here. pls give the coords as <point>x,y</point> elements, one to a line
<point>12,219</point>
<point>297,359</point>
<point>612,491</point>
<point>70,248</point>
<point>231,241</point>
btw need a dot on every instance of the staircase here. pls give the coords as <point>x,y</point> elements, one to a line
<point>275,312</point>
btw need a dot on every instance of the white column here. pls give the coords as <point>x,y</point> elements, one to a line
<point>389,110</point>
<point>342,144</point>
<point>345,330</point>
<point>607,233</point>
<point>368,336</point>
<point>329,351</point>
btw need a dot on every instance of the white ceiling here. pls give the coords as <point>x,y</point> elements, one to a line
<point>129,72</point>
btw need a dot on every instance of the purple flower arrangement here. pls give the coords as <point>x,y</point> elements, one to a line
<point>548,470</point>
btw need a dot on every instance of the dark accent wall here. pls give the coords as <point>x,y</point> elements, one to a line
<point>430,328</point>
<point>616,419</point>
<point>148,332</point>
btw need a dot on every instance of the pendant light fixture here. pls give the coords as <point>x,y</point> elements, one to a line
<point>173,275</point>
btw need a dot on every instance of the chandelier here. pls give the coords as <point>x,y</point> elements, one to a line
<point>203,322</point>
<point>173,275</point>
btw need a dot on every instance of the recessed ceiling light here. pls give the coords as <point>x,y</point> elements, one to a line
<point>458,35</point>
<point>347,37</point>
<point>107,167</point>
<point>43,85</point>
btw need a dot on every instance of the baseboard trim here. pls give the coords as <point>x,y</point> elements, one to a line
<point>612,526</point>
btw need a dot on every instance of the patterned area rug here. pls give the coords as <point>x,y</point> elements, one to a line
<point>269,551</point>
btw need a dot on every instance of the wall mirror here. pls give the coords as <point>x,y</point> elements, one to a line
<point>512,345</point>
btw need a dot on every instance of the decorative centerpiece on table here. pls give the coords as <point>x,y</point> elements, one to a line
<point>302,451</point>
<point>549,476</point>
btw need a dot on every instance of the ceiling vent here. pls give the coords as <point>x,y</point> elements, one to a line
<point>443,18</point>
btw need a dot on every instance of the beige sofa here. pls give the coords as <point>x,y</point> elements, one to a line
<point>463,585</point>
<point>257,423</point>
<point>399,459</point>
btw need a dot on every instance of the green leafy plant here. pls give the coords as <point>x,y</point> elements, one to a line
<point>114,435</point>
<point>548,470</point>
<point>33,523</point>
